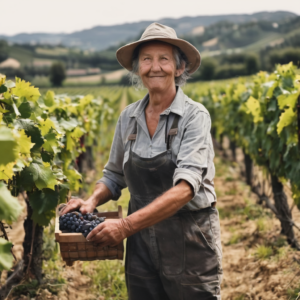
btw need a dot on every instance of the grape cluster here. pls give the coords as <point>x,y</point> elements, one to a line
<point>77,222</point>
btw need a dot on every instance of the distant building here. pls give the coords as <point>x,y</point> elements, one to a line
<point>93,71</point>
<point>76,72</point>
<point>41,63</point>
<point>10,63</point>
<point>82,72</point>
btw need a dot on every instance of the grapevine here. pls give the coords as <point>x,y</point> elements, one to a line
<point>260,116</point>
<point>40,141</point>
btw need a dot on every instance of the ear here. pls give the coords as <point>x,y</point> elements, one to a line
<point>180,71</point>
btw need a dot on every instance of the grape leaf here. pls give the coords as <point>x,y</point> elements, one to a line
<point>49,98</point>
<point>24,89</point>
<point>32,131</point>
<point>272,85</point>
<point>68,125</point>
<point>9,205</point>
<point>58,173</point>
<point>2,110</point>
<point>6,258</point>
<point>286,118</point>
<point>24,142</point>
<point>20,165</point>
<point>77,133</point>
<point>70,143</point>
<point>287,100</point>
<point>39,174</point>
<point>51,143</point>
<point>44,218</point>
<point>253,107</point>
<point>25,110</point>
<point>6,171</point>
<point>47,157</point>
<point>74,179</point>
<point>10,84</point>
<point>43,204</point>
<point>8,146</point>
<point>46,125</point>
<point>3,89</point>
<point>63,192</point>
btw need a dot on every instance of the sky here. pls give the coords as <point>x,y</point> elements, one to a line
<point>66,16</point>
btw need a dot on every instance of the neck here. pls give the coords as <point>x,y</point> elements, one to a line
<point>160,101</point>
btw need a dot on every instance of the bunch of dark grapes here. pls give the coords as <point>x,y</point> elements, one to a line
<point>77,222</point>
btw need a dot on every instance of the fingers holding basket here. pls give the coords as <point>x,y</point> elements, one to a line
<point>108,233</point>
<point>72,205</point>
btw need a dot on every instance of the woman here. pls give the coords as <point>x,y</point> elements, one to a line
<point>162,150</point>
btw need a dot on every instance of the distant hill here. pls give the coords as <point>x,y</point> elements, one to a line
<point>102,37</point>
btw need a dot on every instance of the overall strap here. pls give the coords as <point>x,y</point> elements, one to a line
<point>132,136</point>
<point>173,131</point>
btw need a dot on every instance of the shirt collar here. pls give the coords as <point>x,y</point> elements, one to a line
<point>177,106</point>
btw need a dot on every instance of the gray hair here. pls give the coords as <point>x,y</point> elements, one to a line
<point>180,59</point>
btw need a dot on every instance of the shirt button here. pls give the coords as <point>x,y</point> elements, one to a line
<point>150,145</point>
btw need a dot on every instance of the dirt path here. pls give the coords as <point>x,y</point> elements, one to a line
<point>257,262</point>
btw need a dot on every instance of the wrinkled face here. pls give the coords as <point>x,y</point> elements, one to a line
<point>157,67</point>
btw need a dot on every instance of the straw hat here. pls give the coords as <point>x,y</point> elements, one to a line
<point>159,32</point>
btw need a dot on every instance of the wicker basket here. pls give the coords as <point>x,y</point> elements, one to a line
<point>74,246</point>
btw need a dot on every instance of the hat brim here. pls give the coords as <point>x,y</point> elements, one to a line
<point>125,53</point>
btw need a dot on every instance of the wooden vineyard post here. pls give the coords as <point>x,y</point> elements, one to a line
<point>298,115</point>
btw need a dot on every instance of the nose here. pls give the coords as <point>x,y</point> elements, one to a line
<point>155,66</point>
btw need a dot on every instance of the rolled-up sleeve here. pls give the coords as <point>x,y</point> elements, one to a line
<point>192,158</point>
<point>113,176</point>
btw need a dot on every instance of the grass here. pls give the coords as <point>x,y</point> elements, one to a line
<point>248,211</point>
<point>235,238</point>
<point>263,252</point>
<point>261,224</point>
<point>108,278</point>
<point>294,293</point>
<point>231,191</point>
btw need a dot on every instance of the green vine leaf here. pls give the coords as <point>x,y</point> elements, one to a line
<point>38,174</point>
<point>9,205</point>
<point>6,258</point>
<point>43,204</point>
<point>287,100</point>
<point>32,131</point>
<point>253,107</point>
<point>24,89</point>
<point>49,98</point>
<point>286,118</point>
<point>8,146</point>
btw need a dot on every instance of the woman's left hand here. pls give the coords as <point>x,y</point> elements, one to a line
<point>110,233</point>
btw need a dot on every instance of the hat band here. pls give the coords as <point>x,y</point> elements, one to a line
<point>157,36</point>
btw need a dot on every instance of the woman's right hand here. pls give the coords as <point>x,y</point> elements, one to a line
<point>78,204</point>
